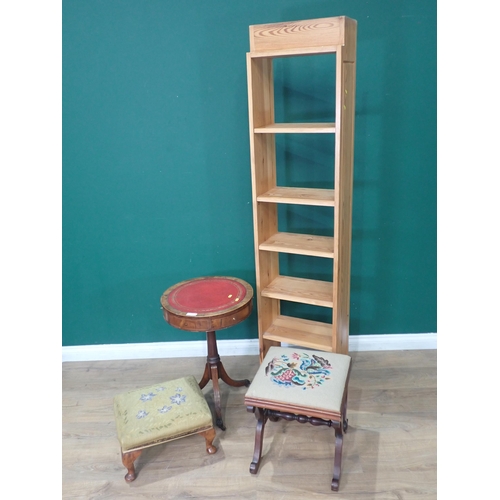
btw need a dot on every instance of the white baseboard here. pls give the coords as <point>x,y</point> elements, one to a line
<point>198,348</point>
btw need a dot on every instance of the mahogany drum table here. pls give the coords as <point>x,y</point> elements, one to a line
<point>206,305</point>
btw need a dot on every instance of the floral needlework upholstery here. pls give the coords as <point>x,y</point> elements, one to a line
<point>298,376</point>
<point>161,412</point>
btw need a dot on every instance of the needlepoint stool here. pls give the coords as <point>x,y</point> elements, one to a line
<point>299,384</point>
<point>160,413</point>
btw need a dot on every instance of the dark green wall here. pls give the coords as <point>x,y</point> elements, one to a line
<point>156,174</point>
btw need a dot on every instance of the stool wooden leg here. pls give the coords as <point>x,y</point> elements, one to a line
<point>209,436</point>
<point>128,460</point>
<point>339,438</point>
<point>261,416</point>
<point>345,421</point>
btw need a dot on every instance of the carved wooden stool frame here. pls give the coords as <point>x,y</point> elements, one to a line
<point>129,457</point>
<point>274,414</point>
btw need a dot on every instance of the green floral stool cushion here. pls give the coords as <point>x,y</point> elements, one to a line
<point>160,413</point>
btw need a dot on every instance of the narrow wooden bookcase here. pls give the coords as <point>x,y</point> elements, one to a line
<point>288,39</point>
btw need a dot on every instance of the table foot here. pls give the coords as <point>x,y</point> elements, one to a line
<point>229,381</point>
<point>219,423</point>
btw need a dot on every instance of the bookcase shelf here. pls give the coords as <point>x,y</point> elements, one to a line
<point>299,196</point>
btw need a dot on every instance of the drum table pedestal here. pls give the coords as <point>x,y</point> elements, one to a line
<point>206,305</point>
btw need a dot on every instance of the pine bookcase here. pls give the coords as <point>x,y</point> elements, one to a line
<point>333,35</point>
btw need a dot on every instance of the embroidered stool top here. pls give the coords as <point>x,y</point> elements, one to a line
<point>160,413</point>
<point>300,381</point>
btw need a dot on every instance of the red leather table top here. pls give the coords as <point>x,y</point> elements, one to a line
<point>207,296</point>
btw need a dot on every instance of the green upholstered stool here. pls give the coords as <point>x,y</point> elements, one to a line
<point>299,384</point>
<point>158,414</point>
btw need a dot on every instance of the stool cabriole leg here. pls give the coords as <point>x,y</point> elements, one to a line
<point>128,460</point>
<point>209,436</point>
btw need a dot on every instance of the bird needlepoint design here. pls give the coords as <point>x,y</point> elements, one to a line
<point>299,370</point>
